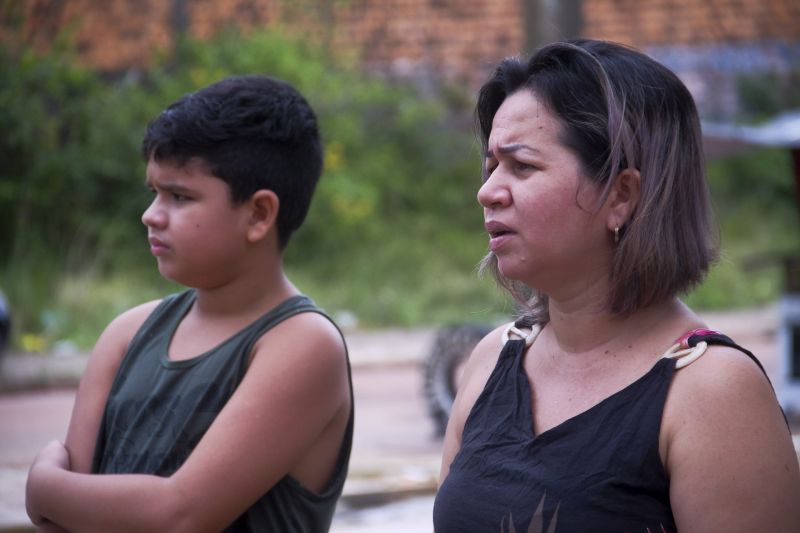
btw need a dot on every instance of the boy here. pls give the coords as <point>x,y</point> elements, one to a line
<point>227,406</point>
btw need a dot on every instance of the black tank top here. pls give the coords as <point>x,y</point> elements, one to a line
<point>595,472</point>
<point>158,410</point>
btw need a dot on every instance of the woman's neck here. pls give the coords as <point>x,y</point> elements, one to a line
<point>591,326</point>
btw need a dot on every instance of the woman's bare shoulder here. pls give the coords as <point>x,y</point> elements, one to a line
<point>725,445</point>
<point>476,373</point>
<point>477,370</point>
<point>721,378</point>
<point>484,356</point>
<point>722,383</point>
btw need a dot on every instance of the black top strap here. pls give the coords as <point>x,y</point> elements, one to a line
<point>716,338</point>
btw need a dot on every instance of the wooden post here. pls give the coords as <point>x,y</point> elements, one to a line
<point>796,168</point>
<point>546,21</point>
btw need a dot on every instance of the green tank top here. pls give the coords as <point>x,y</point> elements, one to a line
<point>158,410</point>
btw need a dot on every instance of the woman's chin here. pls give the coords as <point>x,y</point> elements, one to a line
<point>511,270</point>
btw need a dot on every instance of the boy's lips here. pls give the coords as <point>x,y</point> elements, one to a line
<point>157,246</point>
<point>499,234</point>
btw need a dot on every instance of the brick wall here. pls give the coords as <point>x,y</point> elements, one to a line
<point>446,37</point>
<point>110,35</point>
<point>450,37</point>
<point>708,42</point>
<point>692,22</point>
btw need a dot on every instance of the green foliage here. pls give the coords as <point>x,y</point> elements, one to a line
<point>401,173</point>
<point>66,176</point>
<point>394,232</point>
<point>764,95</point>
<point>760,179</point>
<point>753,196</point>
<point>394,220</point>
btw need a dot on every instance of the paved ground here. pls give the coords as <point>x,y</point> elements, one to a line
<point>395,459</point>
<point>395,451</point>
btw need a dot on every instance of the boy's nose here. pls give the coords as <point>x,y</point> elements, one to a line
<point>153,216</point>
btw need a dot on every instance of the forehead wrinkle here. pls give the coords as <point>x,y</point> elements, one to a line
<point>521,117</point>
<point>511,148</point>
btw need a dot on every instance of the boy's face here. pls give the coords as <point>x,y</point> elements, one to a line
<point>195,231</point>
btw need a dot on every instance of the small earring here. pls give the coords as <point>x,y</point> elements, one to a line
<point>616,234</point>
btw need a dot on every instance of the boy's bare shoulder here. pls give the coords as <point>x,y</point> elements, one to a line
<point>114,340</point>
<point>139,312</point>
<point>307,334</point>
<point>308,352</point>
<point>127,323</point>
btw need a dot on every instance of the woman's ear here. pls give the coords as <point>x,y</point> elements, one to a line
<point>623,198</point>
<point>264,206</point>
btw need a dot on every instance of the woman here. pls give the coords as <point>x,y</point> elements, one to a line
<point>609,406</point>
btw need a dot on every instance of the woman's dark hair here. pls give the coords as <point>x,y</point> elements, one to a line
<point>619,109</point>
<point>253,132</point>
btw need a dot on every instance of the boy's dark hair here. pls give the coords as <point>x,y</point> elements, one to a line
<point>253,132</point>
<point>620,109</point>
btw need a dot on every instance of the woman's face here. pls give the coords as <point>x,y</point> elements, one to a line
<point>539,210</point>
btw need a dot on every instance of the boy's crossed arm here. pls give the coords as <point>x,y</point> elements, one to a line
<point>96,382</point>
<point>281,411</point>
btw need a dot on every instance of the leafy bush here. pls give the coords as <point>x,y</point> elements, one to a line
<point>394,233</point>
<point>765,95</point>
<point>66,188</point>
<point>753,196</point>
<point>394,221</point>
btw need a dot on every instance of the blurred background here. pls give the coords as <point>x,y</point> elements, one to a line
<point>394,222</point>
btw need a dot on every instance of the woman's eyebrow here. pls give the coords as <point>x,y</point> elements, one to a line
<point>511,148</point>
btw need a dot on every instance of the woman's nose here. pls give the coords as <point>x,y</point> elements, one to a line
<point>492,194</point>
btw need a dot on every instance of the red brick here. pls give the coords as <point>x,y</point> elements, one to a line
<point>451,36</point>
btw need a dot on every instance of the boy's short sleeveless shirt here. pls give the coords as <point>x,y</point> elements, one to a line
<point>158,410</point>
<point>598,471</point>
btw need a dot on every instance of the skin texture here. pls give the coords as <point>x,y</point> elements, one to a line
<point>537,182</point>
<point>723,441</point>
<point>229,253</point>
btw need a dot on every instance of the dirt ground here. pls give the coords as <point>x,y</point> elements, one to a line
<point>396,451</point>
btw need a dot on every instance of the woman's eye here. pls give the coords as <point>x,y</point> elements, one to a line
<point>523,167</point>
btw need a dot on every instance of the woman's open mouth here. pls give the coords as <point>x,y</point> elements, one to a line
<point>499,234</point>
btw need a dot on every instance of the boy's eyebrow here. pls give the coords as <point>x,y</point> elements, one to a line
<point>168,186</point>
